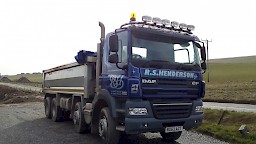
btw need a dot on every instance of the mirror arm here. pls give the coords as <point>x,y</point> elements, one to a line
<point>122,68</point>
<point>119,66</point>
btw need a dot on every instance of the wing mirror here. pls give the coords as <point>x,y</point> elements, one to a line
<point>113,58</point>
<point>113,43</point>
<point>203,65</point>
<point>202,51</point>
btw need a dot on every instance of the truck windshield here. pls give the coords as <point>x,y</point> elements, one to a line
<point>157,51</point>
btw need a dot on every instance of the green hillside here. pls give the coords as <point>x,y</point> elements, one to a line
<point>246,59</point>
<point>35,77</point>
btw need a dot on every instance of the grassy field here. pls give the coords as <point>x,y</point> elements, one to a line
<point>31,77</point>
<point>233,72</point>
<point>227,129</point>
<point>232,82</point>
<point>245,59</point>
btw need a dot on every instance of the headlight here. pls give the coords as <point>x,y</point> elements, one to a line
<point>198,109</point>
<point>138,111</point>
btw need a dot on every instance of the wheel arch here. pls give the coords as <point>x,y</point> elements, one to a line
<point>101,100</point>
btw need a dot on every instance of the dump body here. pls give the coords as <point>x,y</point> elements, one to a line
<point>71,78</point>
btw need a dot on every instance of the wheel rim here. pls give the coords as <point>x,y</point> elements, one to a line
<point>76,117</point>
<point>103,127</point>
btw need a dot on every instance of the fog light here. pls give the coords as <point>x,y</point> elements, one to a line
<point>198,109</point>
<point>138,111</point>
<point>197,121</point>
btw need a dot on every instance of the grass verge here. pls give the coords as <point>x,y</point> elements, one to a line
<point>227,129</point>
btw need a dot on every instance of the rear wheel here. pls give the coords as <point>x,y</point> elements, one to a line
<point>107,127</point>
<point>78,119</point>
<point>56,111</point>
<point>172,136</point>
<point>47,107</point>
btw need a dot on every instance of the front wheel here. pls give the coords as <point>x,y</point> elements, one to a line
<point>172,136</point>
<point>107,127</point>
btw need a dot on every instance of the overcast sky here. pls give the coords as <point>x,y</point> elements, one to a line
<point>40,34</point>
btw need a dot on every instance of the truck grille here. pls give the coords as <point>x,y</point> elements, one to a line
<point>171,88</point>
<point>172,110</point>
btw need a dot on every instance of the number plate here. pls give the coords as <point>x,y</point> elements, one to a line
<point>173,129</point>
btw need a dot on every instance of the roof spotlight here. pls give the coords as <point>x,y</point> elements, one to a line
<point>174,24</point>
<point>166,22</point>
<point>190,27</point>
<point>146,19</point>
<point>157,21</point>
<point>183,26</point>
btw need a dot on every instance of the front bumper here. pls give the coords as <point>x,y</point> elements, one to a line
<point>135,125</point>
<point>148,123</point>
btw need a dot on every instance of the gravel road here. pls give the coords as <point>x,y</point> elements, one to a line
<point>25,123</point>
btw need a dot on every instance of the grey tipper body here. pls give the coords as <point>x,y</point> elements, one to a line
<point>72,78</point>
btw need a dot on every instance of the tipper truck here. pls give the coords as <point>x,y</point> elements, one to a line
<point>145,77</point>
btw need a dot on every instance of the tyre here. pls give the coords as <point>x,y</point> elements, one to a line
<point>172,136</point>
<point>107,127</point>
<point>47,107</point>
<point>56,111</point>
<point>78,119</point>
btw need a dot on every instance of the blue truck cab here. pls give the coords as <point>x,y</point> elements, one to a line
<point>151,77</point>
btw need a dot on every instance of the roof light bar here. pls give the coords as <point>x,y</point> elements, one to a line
<point>146,19</point>
<point>161,23</point>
